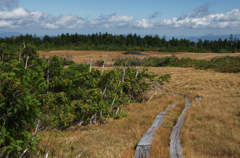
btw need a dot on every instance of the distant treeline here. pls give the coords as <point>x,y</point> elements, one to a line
<point>130,42</point>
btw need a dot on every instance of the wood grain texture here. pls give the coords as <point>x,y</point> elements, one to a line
<point>175,143</point>
<point>143,147</point>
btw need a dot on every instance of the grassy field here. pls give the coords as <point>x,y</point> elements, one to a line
<point>211,128</point>
<point>80,57</point>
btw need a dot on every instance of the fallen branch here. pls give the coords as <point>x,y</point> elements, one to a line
<point>152,96</point>
<point>23,152</point>
<point>79,155</point>
<point>69,140</point>
<point>35,133</point>
<point>36,130</point>
<point>47,154</point>
<point>117,90</point>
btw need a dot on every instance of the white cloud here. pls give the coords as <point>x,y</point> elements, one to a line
<point>105,26</point>
<point>94,22</point>
<point>9,24</point>
<point>228,20</point>
<point>115,19</point>
<point>144,23</point>
<point>66,19</point>
<point>37,15</point>
<point>39,20</point>
<point>18,13</point>
<point>50,26</point>
<point>234,15</point>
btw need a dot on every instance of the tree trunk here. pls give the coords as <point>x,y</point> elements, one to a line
<point>105,61</point>
<point>26,62</point>
<point>19,56</point>
<point>90,66</point>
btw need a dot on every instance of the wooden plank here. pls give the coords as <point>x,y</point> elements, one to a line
<point>143,146</point>
<point>198,99</point>
<point>175,143</point>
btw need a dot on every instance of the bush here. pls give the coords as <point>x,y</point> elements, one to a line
<point>99,63</point>
<point>224,51</point>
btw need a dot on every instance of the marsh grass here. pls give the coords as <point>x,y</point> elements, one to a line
<point>117,138</point>
<point>83,56</point>
<point>160,144</point>
<point>211,127</point>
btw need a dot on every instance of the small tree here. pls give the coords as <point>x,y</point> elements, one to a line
<point>29,51</point>
<point>19,108</point>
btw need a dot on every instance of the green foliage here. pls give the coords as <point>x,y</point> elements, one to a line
<point>222,64</point>
<point>124,43</point>
<point>19,107</point>
<point>40,90</point>
<point>99,63</point>
<point>67,62</point>
<point>224,51</point>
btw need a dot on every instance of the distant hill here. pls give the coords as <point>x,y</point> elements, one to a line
<point>209,37</point>
<point>9,34</point>
<point>212,37</point>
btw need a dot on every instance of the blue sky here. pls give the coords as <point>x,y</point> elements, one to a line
<point>172,17</point>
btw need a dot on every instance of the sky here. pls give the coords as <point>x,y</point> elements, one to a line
<point>143,17</point>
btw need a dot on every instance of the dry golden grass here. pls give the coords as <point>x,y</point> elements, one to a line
<point>117,138</point>
<point>79,56</point>
<point>211,128</point>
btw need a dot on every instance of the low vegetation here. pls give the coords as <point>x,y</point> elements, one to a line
<point>94,112</point>
<point>222,64</point>
<point>38,95</point>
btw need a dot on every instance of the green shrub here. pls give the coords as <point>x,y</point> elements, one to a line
<point>224,51</point>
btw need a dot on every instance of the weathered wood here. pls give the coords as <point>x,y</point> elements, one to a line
<point>26,62</point>
<point>143,147</point>
<point>19,56</point>
<point>163,86</point>
<point>90,66</point>
<point>198,99</point>
<point>175,143</point>
<point>152,96</point>
<point>156,86</point>
<point>104,61</point>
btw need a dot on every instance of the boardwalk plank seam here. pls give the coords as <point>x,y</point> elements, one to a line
<point>175,143</point>
<point>143,147</point>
